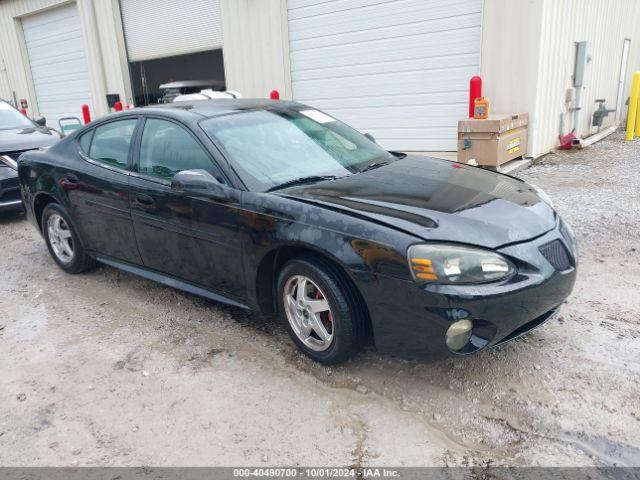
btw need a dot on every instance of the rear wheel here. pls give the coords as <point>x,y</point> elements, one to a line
<point>62,240</point>
<point>320,310</point>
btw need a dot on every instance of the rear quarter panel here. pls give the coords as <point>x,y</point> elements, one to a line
<point>39,173</point>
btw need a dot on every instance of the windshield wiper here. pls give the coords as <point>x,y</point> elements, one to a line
<point>302,181</point>
<point>373,165</point>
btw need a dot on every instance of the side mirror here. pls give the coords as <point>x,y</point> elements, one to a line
<point>370,137</point>
<point>69,124</point>
<point>40,121</point>
<point>199,183</point>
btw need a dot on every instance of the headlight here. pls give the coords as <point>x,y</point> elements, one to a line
<point>542,194</point>
<point>438,263</point>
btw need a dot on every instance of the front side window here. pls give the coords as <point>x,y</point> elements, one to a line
<point>167,148</point>
<point>111,142</point>
<point>272,147</point>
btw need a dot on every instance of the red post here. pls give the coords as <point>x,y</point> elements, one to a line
<point>23,111</point>
<point>86,115</point>
<point>274,95</point>
<point>475,91</point>
<point>118,106</point>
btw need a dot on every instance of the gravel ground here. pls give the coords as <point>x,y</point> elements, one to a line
<point>109,369</point>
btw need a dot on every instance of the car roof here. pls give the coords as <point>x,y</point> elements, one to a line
<point>197,110</point>
<point>214,108</point>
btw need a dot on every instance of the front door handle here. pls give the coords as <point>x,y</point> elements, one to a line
<point>145,200</point>
<point>71,178</point>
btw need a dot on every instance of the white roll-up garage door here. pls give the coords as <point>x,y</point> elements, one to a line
<point>58,64</point>
<point>164,28</point>
<point>396,69</point>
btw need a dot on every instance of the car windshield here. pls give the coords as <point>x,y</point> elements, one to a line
<point>11,118</point>
<point>269,148</point>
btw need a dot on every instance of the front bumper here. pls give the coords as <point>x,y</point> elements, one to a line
<point>412,320</point>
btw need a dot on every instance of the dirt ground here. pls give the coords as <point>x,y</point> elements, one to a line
<point>105,368</point>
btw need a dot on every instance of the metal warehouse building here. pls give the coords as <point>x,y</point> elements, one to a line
<point>398,69</point>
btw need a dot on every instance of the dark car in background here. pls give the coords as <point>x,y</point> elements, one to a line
<point>278,207</point>
<point>18,134</point>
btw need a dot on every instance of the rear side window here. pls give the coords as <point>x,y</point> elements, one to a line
<point>85,141</point>
<point>111,142</point>
<point>167,148</point>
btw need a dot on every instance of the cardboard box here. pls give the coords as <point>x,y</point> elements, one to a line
<point>495,140</point>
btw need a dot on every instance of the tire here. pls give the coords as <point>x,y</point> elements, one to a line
<point>345,320</point>
<point>63,242</point>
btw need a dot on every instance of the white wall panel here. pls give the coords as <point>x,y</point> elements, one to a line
<point>57,62</point>
<point>163,28</point>
<point>103,44</point>
<point>385,67</point>
<point>604,25</point>
<point>256,47</point>
<point>528,58</point>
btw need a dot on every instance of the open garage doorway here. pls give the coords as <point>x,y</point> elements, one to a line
<point>169,41</point>
<point>148,75</point>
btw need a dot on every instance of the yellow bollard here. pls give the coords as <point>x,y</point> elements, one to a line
<point>638,115</point>
<point>633,106</point>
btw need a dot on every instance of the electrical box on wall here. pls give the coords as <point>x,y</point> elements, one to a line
<point>581,70</point>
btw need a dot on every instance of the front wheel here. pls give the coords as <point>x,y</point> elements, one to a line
<point>321,310</point>
<point>62,240</point>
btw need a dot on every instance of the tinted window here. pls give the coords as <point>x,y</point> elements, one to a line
<point>85,141</point>
<point>168,148</point>
<point>111,142</point>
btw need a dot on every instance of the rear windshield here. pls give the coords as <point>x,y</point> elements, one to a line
<point>271,147</point>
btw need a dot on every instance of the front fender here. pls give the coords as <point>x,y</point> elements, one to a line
<point>361,248</point>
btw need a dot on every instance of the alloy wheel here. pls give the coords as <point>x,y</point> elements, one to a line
<point>60,238</point>
<point>308,312</point>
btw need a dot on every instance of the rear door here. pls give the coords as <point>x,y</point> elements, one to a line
<point>192,238</point>
<point>98,190</point>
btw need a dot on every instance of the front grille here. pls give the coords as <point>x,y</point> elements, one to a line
<point>556,255</point>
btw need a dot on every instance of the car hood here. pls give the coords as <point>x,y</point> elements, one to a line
<point>439,200</point>
<point>12,140</point>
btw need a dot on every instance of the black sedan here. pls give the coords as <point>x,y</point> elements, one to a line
<point>17,135</point>
<point>278,207</point>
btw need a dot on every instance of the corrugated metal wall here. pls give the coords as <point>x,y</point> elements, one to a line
<point>256,47</point>
<point>12,46</point>
<point>605,24</point>
<point>527,53</point>
<point>398,70</point>
<point>164,28</point>
<point>104,50</point>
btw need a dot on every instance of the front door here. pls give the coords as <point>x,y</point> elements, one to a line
<point>191,238</point>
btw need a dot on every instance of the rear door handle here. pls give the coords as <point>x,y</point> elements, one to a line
<point>145,199</point>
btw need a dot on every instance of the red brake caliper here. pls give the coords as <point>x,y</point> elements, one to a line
<point>327,318</point>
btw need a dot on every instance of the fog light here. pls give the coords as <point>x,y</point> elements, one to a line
<point>459,334</point>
